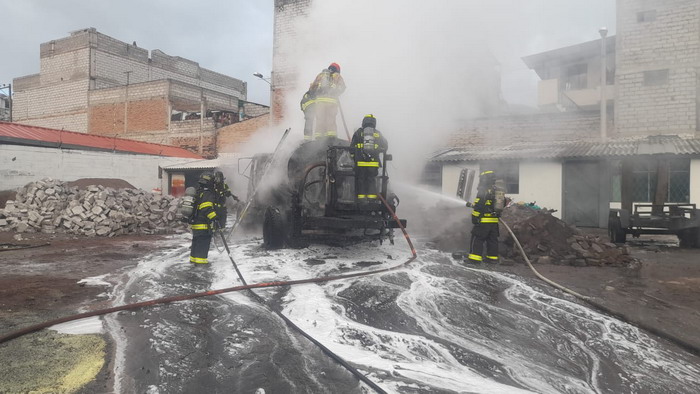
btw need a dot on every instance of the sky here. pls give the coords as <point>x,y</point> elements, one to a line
<point>235,37</point>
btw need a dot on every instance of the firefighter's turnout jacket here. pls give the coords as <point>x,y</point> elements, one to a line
<point>485,230</point>
<point>367,144</point>
<point>204,223</point>
<point>221,192</point>
<point>323,94</point>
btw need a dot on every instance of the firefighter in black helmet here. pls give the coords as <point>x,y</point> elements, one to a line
<point>205,219</point>
<point>367,144</point>
<point>222,192</point>
<point>485,220</point>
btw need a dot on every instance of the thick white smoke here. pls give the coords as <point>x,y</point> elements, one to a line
<point>419,67</point>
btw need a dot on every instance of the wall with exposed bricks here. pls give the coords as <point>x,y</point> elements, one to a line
<point>231,138</point>
<point>89,69</point>
<point>656,35</point>
<point>288,13</point>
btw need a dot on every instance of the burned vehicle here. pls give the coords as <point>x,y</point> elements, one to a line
<point>310,196</point>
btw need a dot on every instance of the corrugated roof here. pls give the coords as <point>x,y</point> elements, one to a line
<point>15,133</point>
<point>653,145</point>
<point>194,165</point>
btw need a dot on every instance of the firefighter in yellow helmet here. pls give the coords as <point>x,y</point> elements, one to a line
<point>205,220</point>
<point>367,143</point>
<point>485,220</point>
<point>323,93</point>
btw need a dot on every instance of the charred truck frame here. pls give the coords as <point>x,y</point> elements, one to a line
<point>314,197</point>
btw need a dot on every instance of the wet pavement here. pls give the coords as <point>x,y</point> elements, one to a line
<point>432,326</point>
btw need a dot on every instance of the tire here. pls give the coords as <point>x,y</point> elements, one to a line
<point>273,229</point>
<point>615,231</point>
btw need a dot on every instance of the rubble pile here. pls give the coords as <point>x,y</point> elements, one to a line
<point>548,240</point>
<point>50,206</point>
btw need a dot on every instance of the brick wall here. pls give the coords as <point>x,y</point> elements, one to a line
<point>254,110</point>
<point>288,13</point>
<point>231,138</point>
<point>26,82</point>
<point>666,38</point>
<point>183,134</point>
<point>554,127</point>
<point>148,109</point>
<point>143,115</point>
<point>70,121</point>
<point>74,67</point>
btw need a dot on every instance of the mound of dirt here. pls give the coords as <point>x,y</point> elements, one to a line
<point>547,239</point>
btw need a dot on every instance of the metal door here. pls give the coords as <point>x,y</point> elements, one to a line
<point>581,193</point>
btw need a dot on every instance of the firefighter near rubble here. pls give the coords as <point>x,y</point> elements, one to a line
<point>486,209</point>
<point>367,143</point>
<point>222,192</point>
<point>320,103</point>
<point>205,220</point>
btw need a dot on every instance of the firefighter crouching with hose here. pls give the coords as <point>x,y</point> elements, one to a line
<point>205,220</point>
<point>487,208</point>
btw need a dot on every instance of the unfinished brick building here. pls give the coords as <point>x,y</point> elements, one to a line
<point>284,74</point>
<point>92,83</point>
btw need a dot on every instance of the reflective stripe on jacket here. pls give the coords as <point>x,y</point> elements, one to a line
<point>484,211</point>
<point>206,210</point>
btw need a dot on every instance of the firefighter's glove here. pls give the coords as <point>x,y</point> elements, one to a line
<point>214,226</point>
<point>235,197</point>
<point>469,204</point>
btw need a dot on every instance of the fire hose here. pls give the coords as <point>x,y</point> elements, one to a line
<point>165,300</point>
<point>591,301</point>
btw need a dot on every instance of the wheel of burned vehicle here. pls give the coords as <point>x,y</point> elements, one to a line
<point>688,238</point>
<point>273,229</point>
<point>615,231</point>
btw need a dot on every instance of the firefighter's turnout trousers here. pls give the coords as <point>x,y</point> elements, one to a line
<point>485,230</point>
<point>308,106</point>
<point>366,181</point>
<point>326,110</point>
<point>484,233</point>
<point>203,227</point>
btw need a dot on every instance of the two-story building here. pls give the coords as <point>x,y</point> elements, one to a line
<point>565,158</point>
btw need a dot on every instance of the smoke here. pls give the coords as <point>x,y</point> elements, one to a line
<point>420,69</point>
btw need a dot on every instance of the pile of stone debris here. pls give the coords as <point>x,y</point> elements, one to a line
<point>50,206</point>
<point>548,240</point>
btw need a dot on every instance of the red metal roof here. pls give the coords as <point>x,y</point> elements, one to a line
<point>16,133</point>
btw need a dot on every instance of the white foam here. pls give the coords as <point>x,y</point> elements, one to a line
<point>95,281</point>
<point>88,325</point>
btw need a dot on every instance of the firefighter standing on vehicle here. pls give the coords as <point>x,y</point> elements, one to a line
<point>323,95</point>
<point>367,144</point>
<point>485,216</point>
<point>308,107</point>
<point>205,220</point>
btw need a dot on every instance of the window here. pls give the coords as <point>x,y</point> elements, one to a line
<point>508,171</point>
<point>646,16</point>
<point>432,175</point>
<point>576,77</point>
<point>655,77</point>
<point>679,181</point>
<point>644,181</point>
